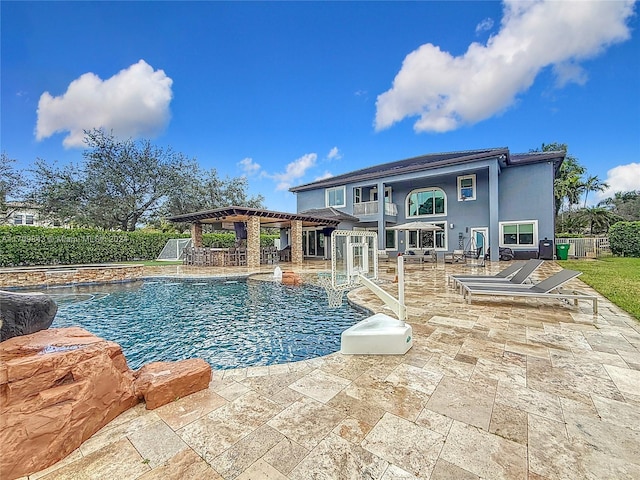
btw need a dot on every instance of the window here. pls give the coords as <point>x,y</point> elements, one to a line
<point>426,201</point>
<point>18,219</point>
<point>428,239</point>
<point>357,195</point>
<point>466,188</point>
<point>28,220</point>
<point>390,239</point>
<point>335,197</point>
<point>519,234</point>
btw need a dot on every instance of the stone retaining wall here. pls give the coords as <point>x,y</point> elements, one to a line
<point>67,275</point>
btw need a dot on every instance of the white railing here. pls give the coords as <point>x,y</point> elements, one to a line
<point>371,208</point>
<point>586,247</point>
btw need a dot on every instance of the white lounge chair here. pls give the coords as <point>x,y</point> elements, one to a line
<point>548,288</point>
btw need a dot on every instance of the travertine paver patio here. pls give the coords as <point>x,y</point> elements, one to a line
<point>498,389</point>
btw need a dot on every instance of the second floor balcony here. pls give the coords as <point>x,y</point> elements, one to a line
<point>365,209</point>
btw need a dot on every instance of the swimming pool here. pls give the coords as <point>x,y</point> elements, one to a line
<point>230,324</point>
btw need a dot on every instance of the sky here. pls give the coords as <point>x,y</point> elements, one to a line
<point>286,93</point>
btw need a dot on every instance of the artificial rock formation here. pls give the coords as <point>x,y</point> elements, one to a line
<point>60,386</point>
<point>24,313</point>
<point>291,278</point>
<point>57,388</point>
<point>163,382</point>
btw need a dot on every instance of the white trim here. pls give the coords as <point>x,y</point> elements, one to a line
<point>344,196</point>
<point>359,190</point>
<point>473,186</point>
<point>425,189</point>
<point>517,245</point>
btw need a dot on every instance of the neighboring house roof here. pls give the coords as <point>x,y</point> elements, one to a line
<point>330,213</point>
<point>432,161</point>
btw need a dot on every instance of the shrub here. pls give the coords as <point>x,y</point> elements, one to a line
<point>624,239</point>
<point>23,246</point>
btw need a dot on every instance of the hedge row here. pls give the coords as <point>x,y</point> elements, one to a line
<point>60,246</point>
<point>624,239</point>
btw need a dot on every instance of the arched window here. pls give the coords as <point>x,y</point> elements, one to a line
<point>426,202</point>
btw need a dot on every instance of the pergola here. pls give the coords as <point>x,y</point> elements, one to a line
<point>255,219</point>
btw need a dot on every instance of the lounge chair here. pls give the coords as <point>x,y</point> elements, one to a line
<point>455,257</point>
<point>501,275</point>
<point>520,277</point>
<point>543,289</point>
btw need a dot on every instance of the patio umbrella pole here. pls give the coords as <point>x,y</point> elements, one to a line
<point>402,310</point>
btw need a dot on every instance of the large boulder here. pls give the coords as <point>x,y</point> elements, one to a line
<point>24,313</point>
<point>57,388</point>
<point>163,382</point>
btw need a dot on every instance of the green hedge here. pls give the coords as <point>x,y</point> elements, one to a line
<point>624,239</point>
<point>60,246</point>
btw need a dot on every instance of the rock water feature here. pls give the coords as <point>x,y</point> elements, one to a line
<point>60,386</point>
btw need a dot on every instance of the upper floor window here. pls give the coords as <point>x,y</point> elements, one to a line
<point>335,197</point>
<point>18,219</point>
<point>519,234</point>
<point>467,187</point>
<point>426,201</point>
<point>357,195</point>
<point>28,219</point>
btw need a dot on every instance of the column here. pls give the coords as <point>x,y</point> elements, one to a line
<point>296,241</point>
<point>196,234</point>
<point>381,222</point>
<point>253,242</point>
<point>494,228</point>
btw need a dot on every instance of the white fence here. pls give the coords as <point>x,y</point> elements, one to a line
<point>586,247</point>
<point>371,208</point>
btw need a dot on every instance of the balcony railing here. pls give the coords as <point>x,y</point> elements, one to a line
<point>371,208</point>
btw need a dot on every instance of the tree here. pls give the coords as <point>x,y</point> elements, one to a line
<point>11,185</point>
<point>598,219</point>
<point>205,190</point>
<point>625,204</point>
<point>593,184</point>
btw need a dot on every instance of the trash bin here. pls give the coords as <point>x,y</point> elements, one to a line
<point>562,250</point>
<point>545,249</point>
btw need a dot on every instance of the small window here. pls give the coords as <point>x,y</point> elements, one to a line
<point>28,219</point>
<point>357,195</point>
<point>18,219</point>
<point>519,234</point>
<point>390,239</point>
<point>335,197</point>
<point>466,188</point>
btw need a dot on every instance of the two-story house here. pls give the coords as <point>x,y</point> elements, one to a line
<point>485,198</point>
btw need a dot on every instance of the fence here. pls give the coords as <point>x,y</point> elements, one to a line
<point>587,247</point>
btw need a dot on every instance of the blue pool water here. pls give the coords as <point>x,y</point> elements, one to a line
<point>228,324</point>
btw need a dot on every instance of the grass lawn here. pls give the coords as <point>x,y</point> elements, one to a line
<point>617,278</point>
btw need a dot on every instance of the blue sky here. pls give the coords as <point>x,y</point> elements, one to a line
<point>290,92</point>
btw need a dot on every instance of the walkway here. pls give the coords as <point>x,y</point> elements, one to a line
<point>498,389</point>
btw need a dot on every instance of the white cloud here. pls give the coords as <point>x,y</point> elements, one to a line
<point>132,103</point>
<point>325,175</point>
<point>484,26</point>
<point>623,178</point>
<point>249,167</point>
<point>334,154</point>
<point>446,92</point>
<point>294,171</point>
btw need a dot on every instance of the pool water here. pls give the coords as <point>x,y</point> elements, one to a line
<point>229,324</point>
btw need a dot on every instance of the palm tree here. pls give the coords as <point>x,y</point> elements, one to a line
<point>593,184</point>
<point>599,219</point>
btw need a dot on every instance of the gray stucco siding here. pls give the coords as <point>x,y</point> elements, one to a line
<point>526,193</point>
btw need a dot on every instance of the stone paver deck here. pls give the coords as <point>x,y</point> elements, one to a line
<point>500,389</point>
